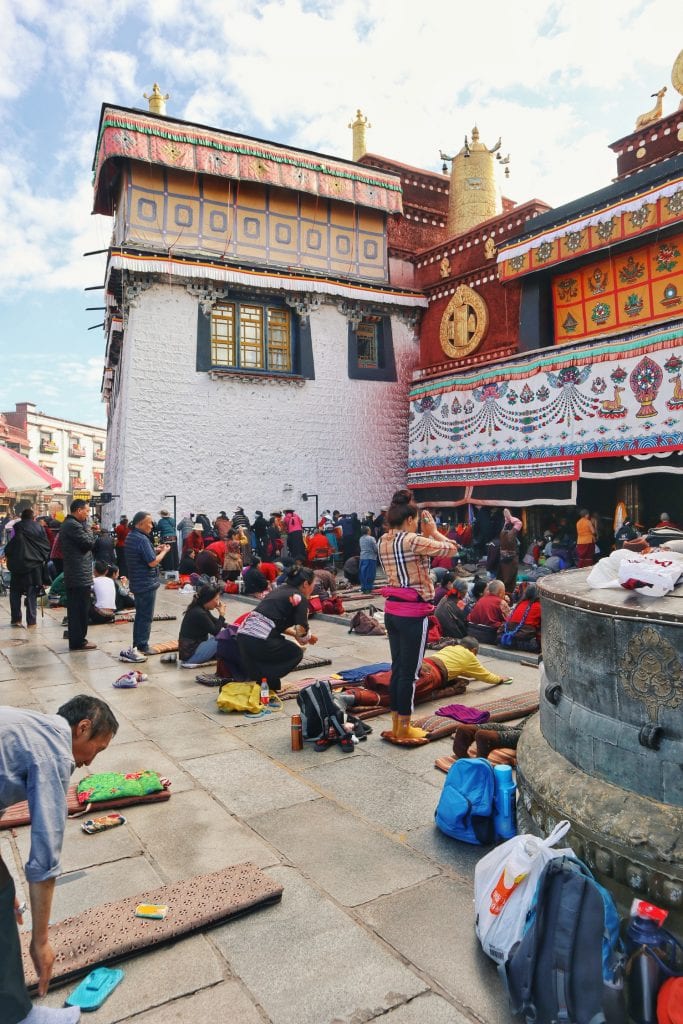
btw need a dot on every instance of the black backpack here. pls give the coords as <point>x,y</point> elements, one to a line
<point>567,968</point>
<point>320,712</point>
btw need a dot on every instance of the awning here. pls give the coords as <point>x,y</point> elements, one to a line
<point>17,473</point>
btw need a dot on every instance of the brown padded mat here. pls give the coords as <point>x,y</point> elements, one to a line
<point>18,814</point>
<point>504,709</point>
<point>111,932</point>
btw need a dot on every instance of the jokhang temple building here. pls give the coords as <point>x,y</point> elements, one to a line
<point>281,321</point>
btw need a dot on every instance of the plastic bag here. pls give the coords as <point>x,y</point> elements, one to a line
<point>504,886</point>
<point>652,575</point>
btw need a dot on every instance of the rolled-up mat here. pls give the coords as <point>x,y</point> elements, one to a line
<point>111,932</point>
<point>130,617</point>
<point>18,814</point>
<point>313,661</point>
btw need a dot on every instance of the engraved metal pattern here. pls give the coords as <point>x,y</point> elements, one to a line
<point>651,672</point>
<point>464,323</point>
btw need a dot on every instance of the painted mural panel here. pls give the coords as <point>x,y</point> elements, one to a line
<point>661,206</point>
<point>619,291</point>
<point>534,418</point>
<point>182,212</point>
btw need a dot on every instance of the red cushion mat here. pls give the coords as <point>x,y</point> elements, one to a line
<point>111,932</point>
<point>18,814</point>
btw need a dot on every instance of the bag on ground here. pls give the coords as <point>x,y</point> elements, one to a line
<point>568,965</point>
<point>245,697</point>
<point>504,885</point>
<point>465,808</point>
<point>365,625</point>
<point>319,711</point>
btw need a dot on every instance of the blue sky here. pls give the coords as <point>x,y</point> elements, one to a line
<point>559,81</point>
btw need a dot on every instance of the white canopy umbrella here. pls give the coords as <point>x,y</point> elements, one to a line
<point>17,473</point>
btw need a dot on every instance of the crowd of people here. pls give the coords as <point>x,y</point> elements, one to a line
<point>428,577</point>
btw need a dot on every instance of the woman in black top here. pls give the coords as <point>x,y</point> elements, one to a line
<point>255,583</point>
<point>262,637</point>
<point>197,642</point>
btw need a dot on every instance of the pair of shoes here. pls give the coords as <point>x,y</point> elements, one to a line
<point>84,647</point>
<point>346,743</point>
<point>132,655</point>
<point>323,743</point>
<point>129,680</point>
<point>169,659</point>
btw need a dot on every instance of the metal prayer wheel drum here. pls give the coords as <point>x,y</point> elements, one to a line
<point>606,750</point>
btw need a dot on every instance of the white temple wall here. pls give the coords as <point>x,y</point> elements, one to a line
<point>219,443</point>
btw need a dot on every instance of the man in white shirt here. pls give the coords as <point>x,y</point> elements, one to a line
<point>104,591</point>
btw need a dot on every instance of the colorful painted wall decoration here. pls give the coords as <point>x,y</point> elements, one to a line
<point>616,292</point>
<point>534,418</point>
<point>660,207</point>
<point>179,212</point>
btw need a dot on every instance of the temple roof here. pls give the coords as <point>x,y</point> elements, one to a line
<point>126,133</point>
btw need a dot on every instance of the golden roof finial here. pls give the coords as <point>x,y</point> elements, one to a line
<point>157,100</point>
<point>473,194</point>
<point>650,116</point>
<point>677,78</point>
<point>358,128</point>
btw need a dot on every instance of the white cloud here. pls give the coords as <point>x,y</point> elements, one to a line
<point>557,81</point>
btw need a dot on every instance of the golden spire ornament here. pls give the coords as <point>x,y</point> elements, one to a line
<point>157,100</point>
<point>358,127</point>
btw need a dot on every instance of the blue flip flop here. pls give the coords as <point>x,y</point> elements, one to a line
<point>95,988</point>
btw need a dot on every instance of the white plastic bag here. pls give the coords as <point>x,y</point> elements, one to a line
<point>504,886</point>
<point>652,575</point>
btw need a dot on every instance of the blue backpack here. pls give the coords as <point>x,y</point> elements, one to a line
<point>568,965</point>
<point>465,808</point>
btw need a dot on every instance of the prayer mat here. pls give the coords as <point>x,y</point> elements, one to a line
<point>446,691</point>
<point>18,814</point>
<point>505,709</point>
<point>313,661</point>
<point>167,648</point>
<point>111,932</point>
<point>291,689</point>
<point>126,617</point>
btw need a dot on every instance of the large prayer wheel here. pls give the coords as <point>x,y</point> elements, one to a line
<point>606,750</point>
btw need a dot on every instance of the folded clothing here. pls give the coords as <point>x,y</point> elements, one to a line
<point>464,714</point>
<point>357,675</point>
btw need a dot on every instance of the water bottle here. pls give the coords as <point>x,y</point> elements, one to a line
<point>504,809</point>
<point>265,693</point>
<point>651,952</point>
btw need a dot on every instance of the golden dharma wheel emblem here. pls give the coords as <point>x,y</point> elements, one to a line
<point>464,323</point>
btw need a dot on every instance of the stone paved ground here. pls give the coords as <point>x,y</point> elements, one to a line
<point>376,918</point>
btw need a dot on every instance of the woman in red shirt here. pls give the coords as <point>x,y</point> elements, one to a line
<point>523,624</point>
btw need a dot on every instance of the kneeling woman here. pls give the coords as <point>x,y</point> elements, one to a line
<point>262,637</point>
<point>197,642</point>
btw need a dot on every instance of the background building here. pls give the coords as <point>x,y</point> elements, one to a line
<point>72,452</point>
<point>258,346</point>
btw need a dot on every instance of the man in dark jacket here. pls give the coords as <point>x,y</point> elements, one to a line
<point>27,554</point>
<point>77,542</point>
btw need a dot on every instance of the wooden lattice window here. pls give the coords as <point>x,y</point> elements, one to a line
<point>368,347</point>
<point>248,336</point>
